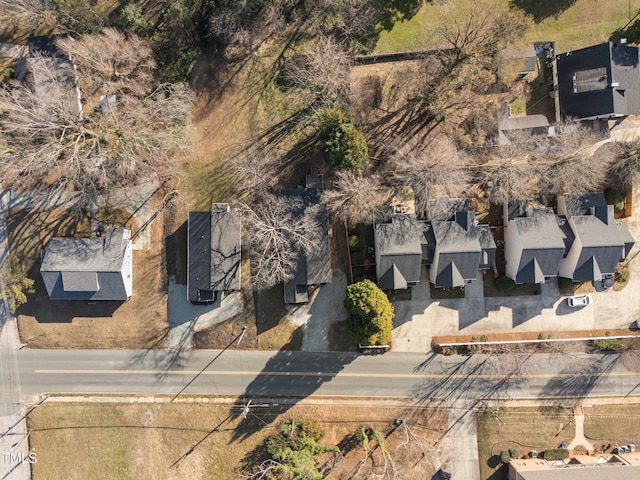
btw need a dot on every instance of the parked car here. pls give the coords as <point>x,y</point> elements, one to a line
<point>580,300</point>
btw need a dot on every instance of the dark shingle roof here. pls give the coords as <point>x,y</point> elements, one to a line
<point>398,244</point>
<point>599,80</point>
<point>213,251</point>
<point>314,265</point>
<point>542,244</point>
<point>604,240</point>
<point>87,268</point>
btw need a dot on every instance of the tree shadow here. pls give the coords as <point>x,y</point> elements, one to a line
<point>295,376</point>
<point>581,381</point>
<point>542,10</point>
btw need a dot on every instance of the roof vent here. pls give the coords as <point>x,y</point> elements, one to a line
<point>623,41</point>
<point>615,84</point>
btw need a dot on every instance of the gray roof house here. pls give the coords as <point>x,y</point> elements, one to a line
<point>313,264</point>
<point>600,81</point>
<point>451,243</point>
<point>398,249</point>
<point>49,67</point>
<point>461,247</point>
<point>533,243</point>
<point>213,253</point>
<point>95,268</point>
<point>595,241</point>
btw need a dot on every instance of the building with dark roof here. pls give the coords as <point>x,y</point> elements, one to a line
<point>213,253</point>
<point>96,268</point>
<point>451,243</point>
<point>49,72</point>
<point>313,265</point>
<point>461,248</point>
<point>533,243</point>
<point>600,81</point>
<point>595,241</point>
<point>398,250</point>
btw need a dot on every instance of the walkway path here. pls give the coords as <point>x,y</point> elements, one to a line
<point>579,440</point>
<point>12,426</point>
<point>462,441</point>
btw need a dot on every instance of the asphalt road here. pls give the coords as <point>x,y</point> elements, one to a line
<point>300,374</point>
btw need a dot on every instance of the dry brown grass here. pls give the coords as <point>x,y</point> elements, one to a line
<point>525,429</point>
<point>612,425</point>
<point>141,322</point>
<point>133,441</point>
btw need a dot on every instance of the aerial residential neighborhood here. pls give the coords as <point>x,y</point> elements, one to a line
<point>333,239</point>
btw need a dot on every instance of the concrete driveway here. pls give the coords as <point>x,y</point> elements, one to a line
<point>419,319</point>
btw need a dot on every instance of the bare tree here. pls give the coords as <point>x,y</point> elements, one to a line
<point>625,165</point>
<point>425,169</point>
<point>508,179</point>
<point>27,15</point>
<point>256,170</point>
<point>357,198</point>
<point>322,70</point>
<point>280,230</point>
<point>477,30</point>
<point>129,129</point>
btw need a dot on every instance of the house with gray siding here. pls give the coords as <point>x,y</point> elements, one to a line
<point>94,268</point>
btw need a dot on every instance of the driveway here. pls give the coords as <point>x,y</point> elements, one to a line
<point>324,308</point>
<point>421,318</point>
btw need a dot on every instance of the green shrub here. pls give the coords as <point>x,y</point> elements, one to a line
<point>370,313</point>
<point>504,284</point>
<point>8,74</point>
<point>513,453</point>
<point>614,197</point>
<point>621,275</point>
<point>607,344</point>
<point>556,454</point>
<point>517,107</point>
<point>565,283</point>
<point>484,338</point>
<point>132,18</point>
<point>353,241</point>
<point>344,143</point>
<point>543,336</point>
<point>504,456</point>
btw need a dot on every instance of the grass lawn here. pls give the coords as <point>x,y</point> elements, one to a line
<point>275,331</point>
<point>525,429</point>
<point>445,293</point>
<point>198,440</point>
<point>612,425</point>
<point>491,290</point>
<point>140,322</point>
<point>585,23</point>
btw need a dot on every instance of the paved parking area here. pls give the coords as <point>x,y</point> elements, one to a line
<point>419,319</point>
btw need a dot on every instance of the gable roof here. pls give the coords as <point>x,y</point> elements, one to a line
<point>540,239</point>
<point>398,244</point>
<point>599,80</point>
<point>460,243</point>
<point>91,268</point>
<point>213,251</point>
<point>313,265</point>
<point>604,240</point>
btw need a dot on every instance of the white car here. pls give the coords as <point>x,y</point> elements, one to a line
<point>580,300</point>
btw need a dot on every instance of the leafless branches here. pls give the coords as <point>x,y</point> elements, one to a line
<point>626,164</point>
<point>25,14</point>
<point>425,169</point>
<point>322,70</point>
<point>255,170</point>
<point>279,231</point>
<point>357,198</point>
<point>134,134</point>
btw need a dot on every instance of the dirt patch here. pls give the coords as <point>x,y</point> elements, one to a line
<point>202,440</point>
<point>339,339</point>
<point>140,322</point>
